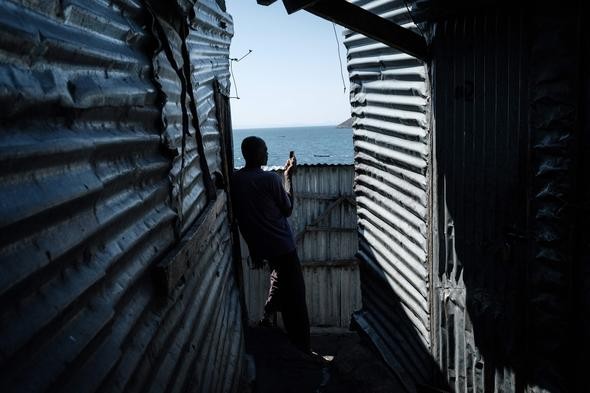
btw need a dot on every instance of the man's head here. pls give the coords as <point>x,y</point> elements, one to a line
<point>254,151</point>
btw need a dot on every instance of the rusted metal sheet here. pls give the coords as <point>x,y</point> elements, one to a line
<point>324,221</point>
<point>91,153</point>
<point>390,98</point>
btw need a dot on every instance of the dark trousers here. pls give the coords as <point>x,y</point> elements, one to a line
<point>287,295</point>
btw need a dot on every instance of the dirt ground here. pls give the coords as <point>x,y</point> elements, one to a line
<point>351,366</point>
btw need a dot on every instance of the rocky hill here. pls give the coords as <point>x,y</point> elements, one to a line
<point>345,124</point>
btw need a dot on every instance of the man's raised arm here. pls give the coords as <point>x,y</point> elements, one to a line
<point>288,186</point>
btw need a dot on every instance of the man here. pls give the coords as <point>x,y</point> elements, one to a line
<point>262,204</point>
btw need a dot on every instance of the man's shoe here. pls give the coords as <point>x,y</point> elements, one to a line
<point>317,358</point>
<point>266,322</point>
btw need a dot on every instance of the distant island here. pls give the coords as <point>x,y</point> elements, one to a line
<point>345,124</point>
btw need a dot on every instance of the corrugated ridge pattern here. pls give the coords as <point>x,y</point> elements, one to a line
<point>390,100</point>
<point>481,154</point>
<point>183,337</point>
<point>208,42</point>
<point>583,231</point>
<point>556,40</point>
<point>189,189</point>
<point>86,211</point>
<point>85,194</point>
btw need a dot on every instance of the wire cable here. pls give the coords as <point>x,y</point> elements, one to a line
<point>339,57</point>
<point>412,18</point>
<point>231,71</point>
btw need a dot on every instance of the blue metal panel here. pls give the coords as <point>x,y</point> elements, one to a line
<point>99,179</point>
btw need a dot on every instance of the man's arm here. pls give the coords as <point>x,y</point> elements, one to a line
<point>288,175</point>
<point>286,193</point>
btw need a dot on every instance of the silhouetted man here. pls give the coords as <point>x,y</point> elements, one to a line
<point>262,204</point>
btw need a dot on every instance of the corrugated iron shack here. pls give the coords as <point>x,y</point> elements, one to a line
<point>116,264</point>
<point>120,268</point>
<point>471,151</point>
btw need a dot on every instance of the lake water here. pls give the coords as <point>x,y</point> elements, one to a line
<point>312,145</point>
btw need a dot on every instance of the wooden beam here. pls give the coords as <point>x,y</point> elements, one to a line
<point>347,263</point>
<point>296,5</point>
<point>317,195</point>
<point>314,228</point>
<point>265,2</point>
<point>190,248</point>
<point>362,21</point>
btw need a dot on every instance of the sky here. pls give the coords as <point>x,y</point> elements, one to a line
<point>292,77</point>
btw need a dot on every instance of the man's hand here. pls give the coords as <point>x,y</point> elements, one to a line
<point>288,183</point>
<point>290,167</point>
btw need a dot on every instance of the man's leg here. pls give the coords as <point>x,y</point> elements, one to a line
<point>294,307</point>
<point>272,304</point>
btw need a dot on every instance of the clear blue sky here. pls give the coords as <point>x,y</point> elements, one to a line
<point>292,77</point>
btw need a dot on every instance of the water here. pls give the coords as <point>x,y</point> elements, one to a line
<point>312,145</point>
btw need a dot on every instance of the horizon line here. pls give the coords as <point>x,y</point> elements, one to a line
<point>286,126</point>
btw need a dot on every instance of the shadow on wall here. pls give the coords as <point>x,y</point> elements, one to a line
<point>505,102</point>
<point>391,326</point>
<point>505,106</point>
<point>583,230</point>
<point>481,150</point>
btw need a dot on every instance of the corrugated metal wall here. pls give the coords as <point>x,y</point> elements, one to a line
<point>188,179</point>
<point>390,98</point>
<point>100,175</point>
<point>583,217</point>
<point>480,107</point>
<point>208,44</point>
<point>499,316</point>
<point>324,222</point>
<point>554,122</point>
<point>505,108</point>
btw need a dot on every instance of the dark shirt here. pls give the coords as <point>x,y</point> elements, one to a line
<point>262,206</point>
